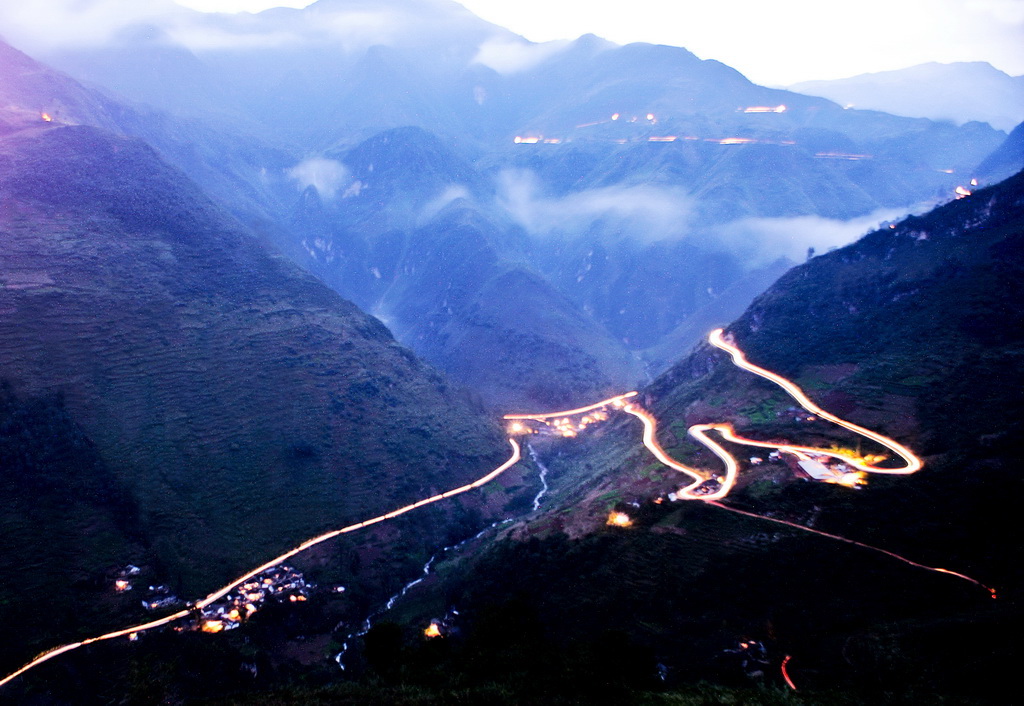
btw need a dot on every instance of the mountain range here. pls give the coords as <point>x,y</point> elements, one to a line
<point>279,116</point>
<point>265,275</point>
<point>958,92</point>
<point>910,331</point>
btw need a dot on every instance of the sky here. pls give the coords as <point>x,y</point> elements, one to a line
<point>774,43</point>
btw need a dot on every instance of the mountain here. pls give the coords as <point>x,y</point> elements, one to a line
<point>336,67</point>
<point>281,115</point>
<point>959,92</point>
<point>191,383</point>
<point>911,331</point>
<point>67,523</point>
<point>1006,160</point>
<point>410,236</point>
<point>226,160</point>
<point>225,405</point>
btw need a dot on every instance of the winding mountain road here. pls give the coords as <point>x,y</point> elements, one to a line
<point>697,489</point>
<point>221,592</point>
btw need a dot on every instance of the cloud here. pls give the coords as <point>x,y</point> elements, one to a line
<point>510,56</point>
<point>452,193</point>
<point>208,38</point>
<point>324,175</point>
<point>761,240</point>
<point>349,30</point>
<point>45,24</point>
<point>647,213</point>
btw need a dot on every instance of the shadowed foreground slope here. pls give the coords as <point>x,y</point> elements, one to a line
<point>239,404</point>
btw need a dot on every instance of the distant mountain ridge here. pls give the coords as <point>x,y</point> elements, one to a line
<point>960,92</point>
<point>1006,160</point>
<point>655,160</point>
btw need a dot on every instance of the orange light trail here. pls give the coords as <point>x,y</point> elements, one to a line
<point>914,463</point>
<point>199,605</point>
<point>854,542</point>
<point>785,672</point>
<point>649,440</point>
<point>613,401</point>
<point>699,432</point>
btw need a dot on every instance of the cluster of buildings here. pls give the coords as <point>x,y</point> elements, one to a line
<point>281,583</point>
<point>828,470</point>
<point>123,578</point>
<point>159,597</point>
<point>568,426</point>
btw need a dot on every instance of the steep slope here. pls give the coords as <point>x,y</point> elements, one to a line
<point>1006,160</point>
<point>239,403</point>
<point>912,331</point>
<point>960,92</point>
<point>412,236</point>
<point>224,158</point>
<point>652,187</point>
<point>67,526</point>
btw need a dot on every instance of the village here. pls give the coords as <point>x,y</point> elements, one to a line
<point>281,583</point>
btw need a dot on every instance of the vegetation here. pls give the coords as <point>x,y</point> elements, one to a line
<point>219,406</point>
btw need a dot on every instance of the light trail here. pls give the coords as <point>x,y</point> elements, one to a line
<point>220,593</point>
<point>690,492</point>
<point>650,429</point>
<point>693,491</point>
<point>612,401</point>
<point>699,432</point>
<point>785,672</point>
<point>914,463</point>
<point>854,542</point>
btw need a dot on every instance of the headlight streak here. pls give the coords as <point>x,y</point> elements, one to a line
<point>785,672</point>
<point>914,463</point>
<point>220,593</point>
<point>649,438</point>
<point>712,495</point>
<point>611,401</point>
<point>854,542</point>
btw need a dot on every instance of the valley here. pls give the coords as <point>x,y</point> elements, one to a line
<point>706,486</point>
<point>359,353</point>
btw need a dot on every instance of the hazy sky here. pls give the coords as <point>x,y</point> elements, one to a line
<point>777,42</point>
<point>774,43</point>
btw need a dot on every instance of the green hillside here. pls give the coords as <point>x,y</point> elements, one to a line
<point>911,331</point>
<point>235,405</point>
